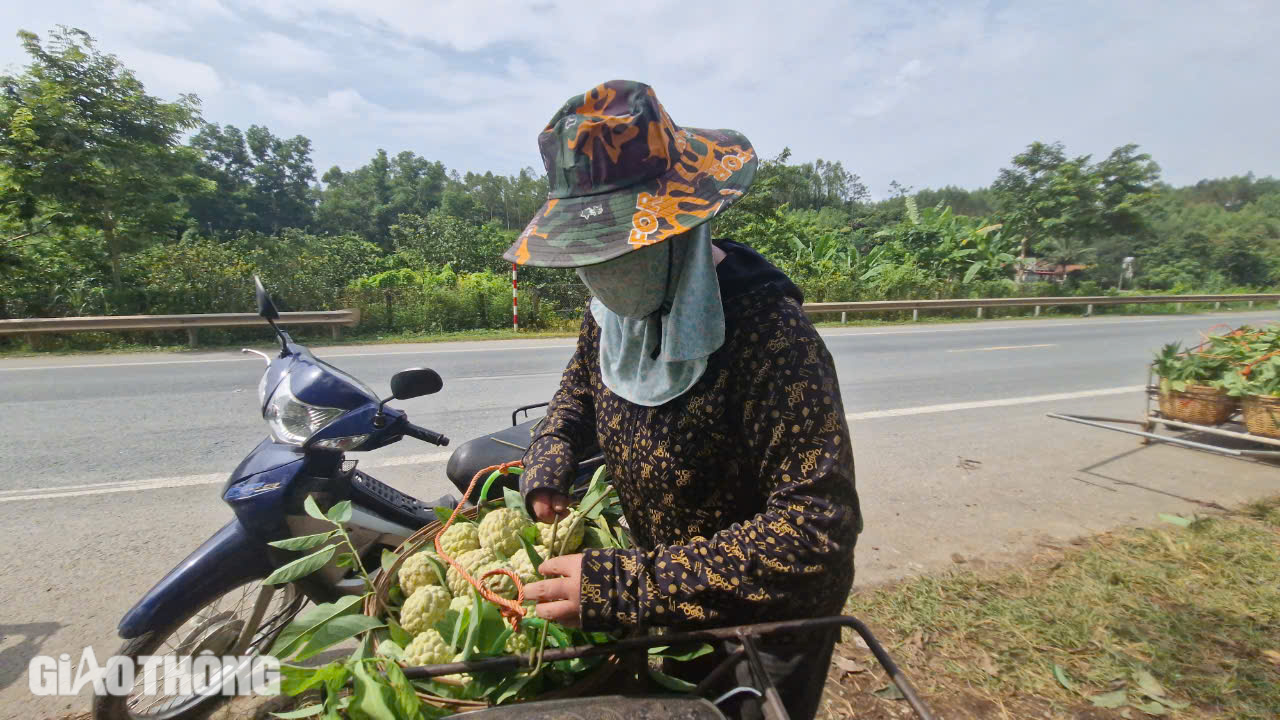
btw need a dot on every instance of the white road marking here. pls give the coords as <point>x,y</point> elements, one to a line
<point>184,481</point>
<point>174,482</point>
<point>324,356</point>
<point>1002,402</point>
<point>1003,347</point>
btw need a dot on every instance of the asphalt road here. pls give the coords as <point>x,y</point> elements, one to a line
<point>112,461</point>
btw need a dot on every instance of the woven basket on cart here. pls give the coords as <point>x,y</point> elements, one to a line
<point>1262,415</point>
<point>1197,404</point>
<point>375,605</point>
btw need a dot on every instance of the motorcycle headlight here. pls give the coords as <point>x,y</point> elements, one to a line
<point>262,388</point>
<point>344,444</point>
<point>292,421</point>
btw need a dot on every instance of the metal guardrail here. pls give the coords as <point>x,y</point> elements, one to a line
<point>335,319</point>
<point>915,306</point>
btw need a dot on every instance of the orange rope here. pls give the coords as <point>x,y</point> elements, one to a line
<point>512,610</point>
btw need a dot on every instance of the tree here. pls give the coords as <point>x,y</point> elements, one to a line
<point>1046,195</point>
<point>1064,251</point>
<point>80,136</point>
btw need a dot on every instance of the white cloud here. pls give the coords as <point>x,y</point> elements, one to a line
<point>167,76</point>
<point>279,53</point>
<point>926,93</point>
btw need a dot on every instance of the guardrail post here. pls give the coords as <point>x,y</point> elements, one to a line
<point>1177,307</point>
<point>192,341</point>
<point>979,313</point>
<point>1217,305</point>
<point>1250,304</point>
<point>915,314</point>
<point>1037,311</point>
<point>1088,310</point>
<point>31,340</point>
<point>842,318</point>
<point>336,330</point>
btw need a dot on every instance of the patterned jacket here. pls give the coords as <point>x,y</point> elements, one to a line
<point>740,492</point>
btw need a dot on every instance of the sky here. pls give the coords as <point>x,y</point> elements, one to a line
<point>927,94</point>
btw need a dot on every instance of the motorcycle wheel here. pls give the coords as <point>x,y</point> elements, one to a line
<point>215,628</point>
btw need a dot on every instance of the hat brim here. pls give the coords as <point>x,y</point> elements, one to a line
<point>714,169</point>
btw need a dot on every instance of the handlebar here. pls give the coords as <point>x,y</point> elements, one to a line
<point>425,435</point>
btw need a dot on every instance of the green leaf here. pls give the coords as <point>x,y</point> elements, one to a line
<point>1115,699</point>
<point>407,705</point>
<point>299,630</point>
<point>346,560</point>
<point>530,534</point>
<point>335,631</point>
<point>312,508</point>
<point>511,498</point>
<point>1175,519</point>
<point>398,634</point>
<point>1172,704</point>
<point>308,711</point>
<point>339,513</point>
<point>295,680</point>
<point>1062,678</point>
<point>671,683</point>
<point>388,559</point>
<point>510,689</point>
<point>443,514</point>
<point>1148,684</point>
<point>534,557</point>
<point>889,692</point>
<point>1151,708</point>
<point>391,649</point>
<point>301,567</point>
<point>681,656</point>
<point>371,700</point>
<point>974,269</point>
<point>302,542</point>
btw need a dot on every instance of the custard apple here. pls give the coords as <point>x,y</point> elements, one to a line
<point>460,603</point>
<point>501,585</point>
<point>500,531</point>
<point>519,643</point>
<point>424,608</point>
<point>427,648</point>
<point>470,560</point>
<point>523,566</point>
<point>459,538</point>
<point>419,570</point>
<point>459,678</point>
<point>569,530</point>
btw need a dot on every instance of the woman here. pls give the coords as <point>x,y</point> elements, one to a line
<point>711,395</point>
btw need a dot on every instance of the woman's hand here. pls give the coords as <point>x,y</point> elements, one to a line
<point>558,596</point>
<point>547,504</point>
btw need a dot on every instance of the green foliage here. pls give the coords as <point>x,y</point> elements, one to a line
<point>80,134</point>
<point>104,211</point>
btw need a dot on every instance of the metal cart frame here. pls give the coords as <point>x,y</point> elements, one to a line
<point>1153,418</point>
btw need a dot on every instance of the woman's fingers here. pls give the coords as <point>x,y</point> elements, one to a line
<point>547,505</point>
<point>564,612</point>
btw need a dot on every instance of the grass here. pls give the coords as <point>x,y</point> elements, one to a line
<point>1166,620</point>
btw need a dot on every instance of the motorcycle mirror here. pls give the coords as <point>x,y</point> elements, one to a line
<point>415,382</point>
<point>266,308</point>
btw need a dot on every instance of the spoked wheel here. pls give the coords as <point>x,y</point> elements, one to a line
<point>243,621</point>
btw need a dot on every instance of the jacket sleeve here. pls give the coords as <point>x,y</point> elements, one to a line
<point>794,559</point>
<point>570,422</point>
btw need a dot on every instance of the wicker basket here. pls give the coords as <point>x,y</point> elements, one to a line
<point>1262,415</point>
<point>1197,404</point>
<point>376,603</point>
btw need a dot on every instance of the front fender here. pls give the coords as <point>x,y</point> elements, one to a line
<point>227,559</point>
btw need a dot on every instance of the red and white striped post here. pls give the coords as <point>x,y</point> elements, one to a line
<point>515,301</point>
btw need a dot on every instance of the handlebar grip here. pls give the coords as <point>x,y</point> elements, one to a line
<point>425,435</point>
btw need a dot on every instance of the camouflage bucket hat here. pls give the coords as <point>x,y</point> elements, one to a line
<point>623,176</point>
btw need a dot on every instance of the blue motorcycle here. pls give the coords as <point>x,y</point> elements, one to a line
<point>214,601</point>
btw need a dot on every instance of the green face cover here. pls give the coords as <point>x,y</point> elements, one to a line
<point>660,352</point>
